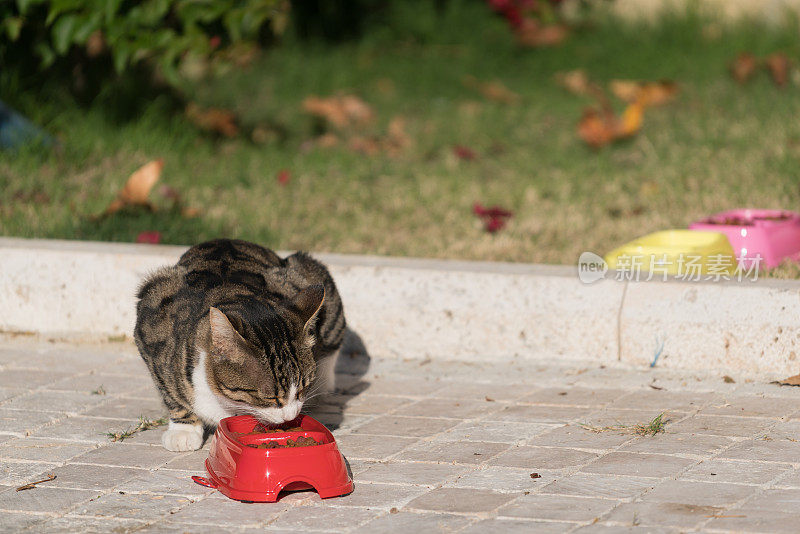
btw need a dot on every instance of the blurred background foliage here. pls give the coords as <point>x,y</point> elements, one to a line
<point>91,43</point>
<point>460,106</point>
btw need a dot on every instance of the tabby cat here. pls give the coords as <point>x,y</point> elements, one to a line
<point>234,329</point>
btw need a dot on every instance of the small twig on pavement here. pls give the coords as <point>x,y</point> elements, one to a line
<point>32,485</point>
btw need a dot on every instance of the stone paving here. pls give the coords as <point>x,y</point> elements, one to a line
<point>433,445</point>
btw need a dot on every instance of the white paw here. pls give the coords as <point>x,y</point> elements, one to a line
<point>181,437</point>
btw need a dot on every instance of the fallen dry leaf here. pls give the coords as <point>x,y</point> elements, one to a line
<point>327,109</point>
<point>397,131</point>
<point>215,120</point>
<point>575,81</point>
<point>190,212</point>
<point>599,128</point>
<point>339,111</point>
<point>658,93</point>
<point>494,90</point>
<point>137,189</point>
<point>365,145</point>
<point>743,67</point>
<point>395,140</point>
<point>778,66</point>
<point>532,33</point>
<point>396,137</point>
<point>631,120</point>
<point>356,109</point>
<point>627,90</point>
<point>791,381</point>
<point>327,140</point>
<point>648,93</point>
<point>596,128</point>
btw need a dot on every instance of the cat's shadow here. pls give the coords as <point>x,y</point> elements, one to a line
<point>353,363</point>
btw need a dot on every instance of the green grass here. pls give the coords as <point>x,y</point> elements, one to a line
<point>145,423</point>
<point>650,428</point>
<point>720,145</point>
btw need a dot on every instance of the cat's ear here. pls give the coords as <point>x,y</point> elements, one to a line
<point>307,303</point>
<point>226,342</point>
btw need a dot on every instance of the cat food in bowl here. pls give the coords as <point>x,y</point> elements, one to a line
<point>251,462</point>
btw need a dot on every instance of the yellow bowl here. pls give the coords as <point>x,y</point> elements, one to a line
<point>676,253</point>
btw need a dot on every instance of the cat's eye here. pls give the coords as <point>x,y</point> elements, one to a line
<point>240,390</point>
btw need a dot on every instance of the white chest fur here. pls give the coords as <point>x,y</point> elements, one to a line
<point>206,404</point>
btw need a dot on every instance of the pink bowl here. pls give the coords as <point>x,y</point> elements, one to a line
<point>772,234</point>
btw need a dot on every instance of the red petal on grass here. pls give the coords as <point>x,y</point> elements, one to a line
<point>494,218</point>
<point>152,237</point>
<point>463,152</point>
<point>284,176</point>
<point>494,211</point>
<point>493,224</point>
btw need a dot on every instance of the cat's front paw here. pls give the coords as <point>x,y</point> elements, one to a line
<point>180,437</point>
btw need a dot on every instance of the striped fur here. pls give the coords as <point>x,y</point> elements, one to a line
<point>277,319</point>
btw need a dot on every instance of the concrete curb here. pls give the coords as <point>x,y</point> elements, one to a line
<point>773,12</point>
<point>444,309</point>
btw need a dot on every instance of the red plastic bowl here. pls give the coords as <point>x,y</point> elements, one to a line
<point>259,475</point>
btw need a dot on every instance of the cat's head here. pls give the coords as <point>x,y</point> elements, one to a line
<point>260,360</point>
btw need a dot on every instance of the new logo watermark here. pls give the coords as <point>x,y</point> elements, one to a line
<point>591,267</point>
<point>684,267</point>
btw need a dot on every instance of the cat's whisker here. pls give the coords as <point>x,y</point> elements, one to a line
<point>316,390</point>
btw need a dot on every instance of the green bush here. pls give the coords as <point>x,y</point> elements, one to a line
<point>159,32</point>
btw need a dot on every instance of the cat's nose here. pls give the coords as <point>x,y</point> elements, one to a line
<point>291,410</point>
